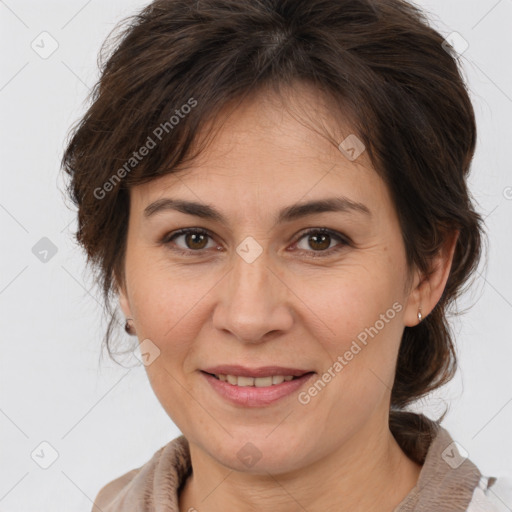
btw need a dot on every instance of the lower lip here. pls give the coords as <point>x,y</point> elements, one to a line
<point>251,396</point>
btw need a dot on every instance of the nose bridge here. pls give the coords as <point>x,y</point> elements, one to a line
<point>250,276</point>
<point>251,303</point>
<point>250,284</point>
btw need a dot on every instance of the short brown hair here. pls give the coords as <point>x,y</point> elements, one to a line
<point>378,62</point>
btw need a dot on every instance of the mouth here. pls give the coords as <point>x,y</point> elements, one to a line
<point>257,387</point>
<point>258,382</point>
<point>262,376</point>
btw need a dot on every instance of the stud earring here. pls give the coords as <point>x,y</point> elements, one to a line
<point>420,316</point>
<point>127,327</point>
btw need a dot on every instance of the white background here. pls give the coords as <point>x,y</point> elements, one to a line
<point>103,419</point>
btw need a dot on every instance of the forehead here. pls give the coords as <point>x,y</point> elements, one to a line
<point>269,149</point>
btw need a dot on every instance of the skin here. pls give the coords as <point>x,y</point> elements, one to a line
<point>286,308</point>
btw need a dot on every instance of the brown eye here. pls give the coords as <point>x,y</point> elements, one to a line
<point>194,240</point>
<point>320,240</point>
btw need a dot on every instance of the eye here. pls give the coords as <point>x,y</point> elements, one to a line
<point>195,240</point>
<point>320,240</point>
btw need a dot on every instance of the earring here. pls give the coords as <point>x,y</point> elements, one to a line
<point>419,314</point>
<point>128,327</point>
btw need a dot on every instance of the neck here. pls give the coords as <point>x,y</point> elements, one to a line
<point>373,474</point>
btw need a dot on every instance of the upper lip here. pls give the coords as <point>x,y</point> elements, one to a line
<point>262,371</point>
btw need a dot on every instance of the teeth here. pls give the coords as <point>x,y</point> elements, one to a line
<point>258,382</point>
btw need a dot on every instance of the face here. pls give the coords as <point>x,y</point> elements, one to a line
<point>323,292</point>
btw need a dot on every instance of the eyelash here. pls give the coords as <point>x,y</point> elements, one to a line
<point>170,237</point>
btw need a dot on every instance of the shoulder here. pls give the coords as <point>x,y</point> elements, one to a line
<point>492,495</point>
<point>130,491</point>
<point>118,492</point>
<point>112,490</point>
<point>448,480</point>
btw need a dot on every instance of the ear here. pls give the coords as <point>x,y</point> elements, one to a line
<point>123,298</point>
<point>427,290</point>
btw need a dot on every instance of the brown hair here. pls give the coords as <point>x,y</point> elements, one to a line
<point>378,62</point>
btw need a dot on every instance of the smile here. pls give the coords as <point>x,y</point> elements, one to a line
<point>255,391</point>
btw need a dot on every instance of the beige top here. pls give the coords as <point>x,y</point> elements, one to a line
<point>447,481</point>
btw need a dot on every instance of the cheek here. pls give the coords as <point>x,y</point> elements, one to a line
<point>348,304</point>
<point>360,330</point>
<point>166,305</point>
<point>168,310</point>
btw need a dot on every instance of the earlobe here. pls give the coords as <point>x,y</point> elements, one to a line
<point>125,307</point>
<point>415,303</point>
<point>429,289</point>
<point>123,302</point>
<point>123,299</point>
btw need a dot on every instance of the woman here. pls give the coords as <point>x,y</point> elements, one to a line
<point>275,190</point>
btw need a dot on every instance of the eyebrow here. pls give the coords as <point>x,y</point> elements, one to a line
<point>290,213</point>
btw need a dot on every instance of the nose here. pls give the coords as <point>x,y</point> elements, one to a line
<point>253,301</point>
